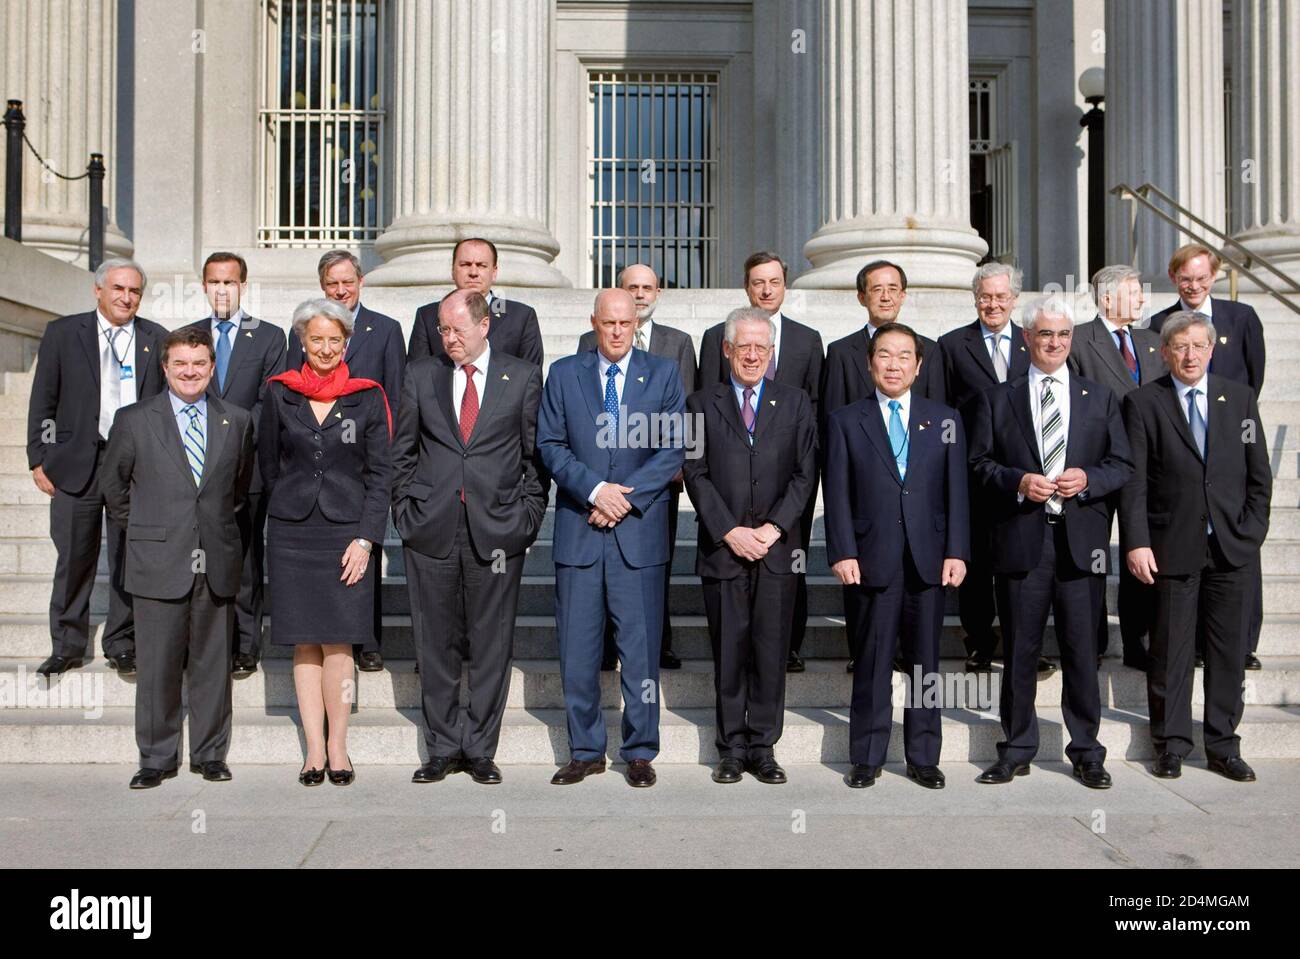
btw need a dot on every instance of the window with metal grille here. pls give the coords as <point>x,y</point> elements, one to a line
<point>322,121</point>
<point>993,199</point>
<point>654,175</point>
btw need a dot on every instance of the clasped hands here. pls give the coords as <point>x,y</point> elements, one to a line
<point>1039,489</point>
<point>611,506</point>
<point>752,543</point>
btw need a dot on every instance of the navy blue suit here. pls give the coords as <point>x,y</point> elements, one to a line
<point>1041,563</point>
<point>900,530</point>
<point>618,572</point>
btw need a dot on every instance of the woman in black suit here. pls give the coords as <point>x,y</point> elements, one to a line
<point>323,452</point>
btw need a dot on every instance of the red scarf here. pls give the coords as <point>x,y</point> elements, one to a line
<point>326,389</point>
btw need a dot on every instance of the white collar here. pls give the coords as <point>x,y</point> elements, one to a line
<point>105,326</point>
<point>1061,376</point>
<point>480,364</point>
<point>1205,309</point>
<point>904,401</point>
<point>1182,388</point>
<point>213,320</point>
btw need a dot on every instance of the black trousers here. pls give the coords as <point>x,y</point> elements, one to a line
<point>907,611</point>
<point>1136,608</point>
<point>462,606</point>
<point>249,604</point>
<point>977,602</point>
<point>611,649</point>
<point>77,522</point>
<point>1211,602</point>
<point>376,569</point>
<point>749,629</point>
<point>799,625</point>
<point>1074,599</point>
<point>185,640</point>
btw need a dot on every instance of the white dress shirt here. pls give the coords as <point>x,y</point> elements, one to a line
<point>776,343</point>
<point>1205,309</point>
<point>1060,393</point>
<point>739,390</point>
<point>124,360</point>
<point>905,407</point>
<point>620,380</point>
<point>1182,389</point>
<point>231,333</point>
<point>458,379</point>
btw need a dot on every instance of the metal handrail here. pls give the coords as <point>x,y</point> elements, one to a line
<point>1139,195</point>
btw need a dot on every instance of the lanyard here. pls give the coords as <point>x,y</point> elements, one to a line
<point>121,360</point>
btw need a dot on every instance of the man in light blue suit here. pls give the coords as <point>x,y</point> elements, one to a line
<point>610,432</point>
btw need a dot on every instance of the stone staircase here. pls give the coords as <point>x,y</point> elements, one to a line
<point>87,715</point>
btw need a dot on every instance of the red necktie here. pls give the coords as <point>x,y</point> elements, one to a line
<point>468,410</point>
<point>1129,359</point>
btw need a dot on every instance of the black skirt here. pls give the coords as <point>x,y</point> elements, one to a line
<point>310,604</point>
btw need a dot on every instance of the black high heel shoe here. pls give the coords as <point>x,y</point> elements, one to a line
<point>341,777</point>
<point>312,777</point>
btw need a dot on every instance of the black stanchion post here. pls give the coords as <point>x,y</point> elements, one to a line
<point>14,123</point>
<point>96,172</point>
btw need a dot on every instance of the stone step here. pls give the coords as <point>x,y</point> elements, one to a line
<point>13,461</point>
<point>535,684</point>
<point>28,637</point>
<point>539,736</point>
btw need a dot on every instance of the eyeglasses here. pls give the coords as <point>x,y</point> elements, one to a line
<point>1001,299</point>
<point>452,331</point>
<point>753,348</point>
<point>1183,349</point>
<point>1046,336</point>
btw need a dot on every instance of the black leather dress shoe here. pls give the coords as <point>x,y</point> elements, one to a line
<point>1003,771</point>
<point>669,660</point>
<point>979,663</point>
<point>311,777</point>
<point>214,771</point>
<point>58,664</point>
<point>861,776</point>
<point>370,662</point>
<point>437,769</point>
<point>729,770</point>
<point>850,665</point>
<point>1234,768</point>
<point>149,778</point>
<point>1092,775</point>
<point>766,770</point>
<point>928,776</point>
<point>484,770</point>
<point>793,664</point>
<point>576,770</point>
<point>1046,667</point>
<point>640,773</point>
<point>1252,662</point>
<point>1167,766</point>
<point>245,664</point>
<point>124,663</point>
<point>341,777</point>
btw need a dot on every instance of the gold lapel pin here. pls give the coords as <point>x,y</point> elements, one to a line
<point>640,379</point>
<point>338,416</point>
<point>922,426</point>
<point>1151,349</point>
<point>1223,399</point>
<point>771,402</point>
<point>249,333</point>
<point>1084,392</point>
<point>1223,339</point>
<point>146,349</point>
<point>1022,348</point>
<point>505,376</point>
<point>225,422</point>
<point>369,328</point>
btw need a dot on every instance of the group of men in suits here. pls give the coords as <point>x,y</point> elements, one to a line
<point>992,461</point>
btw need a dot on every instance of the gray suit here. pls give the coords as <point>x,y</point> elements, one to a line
<point>1095,356</point>
<point>183,560</point>
<point>677,346</point>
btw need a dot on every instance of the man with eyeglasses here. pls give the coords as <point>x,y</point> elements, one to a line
<point>1238,355</point>
<point>1049,448</point>
<point>1193,518</point>
<point>975,358</point>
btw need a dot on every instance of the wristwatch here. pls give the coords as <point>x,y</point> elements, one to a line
<point>364,544</point>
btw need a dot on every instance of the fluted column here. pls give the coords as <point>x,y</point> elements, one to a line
<point>895,152</point>
<point>1164,120</point>
<point>470,136</point>
<point>59,59</point>
<point>1265,169</point>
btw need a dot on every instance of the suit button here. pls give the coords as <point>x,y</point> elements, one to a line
<point>316,437</point>
<point>318,454</point>
<point>904,492</point>
<point>317,474</point>
<point>464,456</point>
<point>755,483</point>
<point>1204,518</point>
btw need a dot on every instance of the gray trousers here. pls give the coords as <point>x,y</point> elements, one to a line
<point>187,639</point>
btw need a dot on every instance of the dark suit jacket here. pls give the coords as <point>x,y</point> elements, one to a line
<point>257,353</point>
<point>1238,341</point>
<point>512,330</point>
<point>1095,355</point>
<point>1004,447</point>
<point>149,489</point>
<point>65,392</point>
<point>665,341</point>
<point>342,465</point>
<point>505,495</point>
<point>733,483</point>
<point>848,373</point>
<point>1173,492</point>
<point>967,368</point>
<point>375,352</point>
<point>579,454</point>
<point>872,515</point>
<point>800,362</point>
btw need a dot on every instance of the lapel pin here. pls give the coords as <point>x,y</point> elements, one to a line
<point>1223,339</point>
<point>640,379</point>
<point>771,402</point>
<point>1223,399</point>
<point>1084,392</point>
<point>368,329</point>
<point>146,349</point>
<point>505,376</point>
<point>922,426</point>
<point>249,333</point>
<point>338,416</point>
<point>1022,348</point>
<point>225,422</point>
<point>1151,349</point>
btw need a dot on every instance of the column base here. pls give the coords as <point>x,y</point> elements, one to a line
<point>935,257</point>
<point>417,251</point>
<point>69,241</point>
<point>1279,245</point>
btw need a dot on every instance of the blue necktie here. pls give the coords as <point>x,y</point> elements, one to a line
<point>1196,421</point>
<point>611,395</point>
<point>223,352</point>
<point>898,438</point>
<point>194,442</point>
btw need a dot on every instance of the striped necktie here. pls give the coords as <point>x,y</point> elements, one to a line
<point>194,442</point>
<point>1053,440</point>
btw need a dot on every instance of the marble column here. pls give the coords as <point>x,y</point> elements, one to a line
<point>470,139</point>
<point>59,59</point>
<point>895,152</point>
<point>1164,121</point>
<point>1265,169</point>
